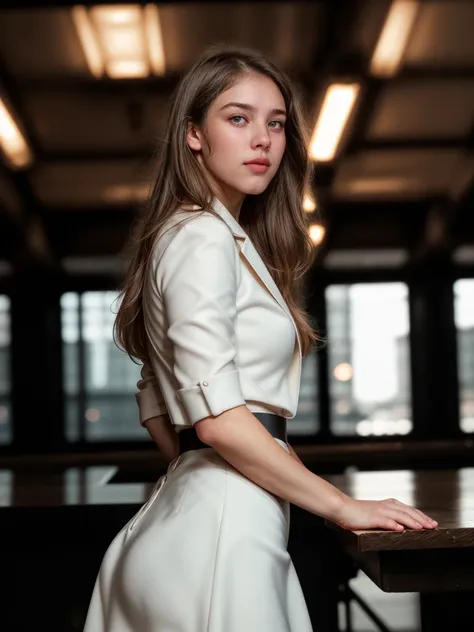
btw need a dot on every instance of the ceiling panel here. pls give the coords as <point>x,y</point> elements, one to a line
<point>424,109</point>
<point>91,184</point>
<point>287,32</point>
<point>38,43</point>
<point>442,35</point>
<point>72,120</point>
<point>398,174</point>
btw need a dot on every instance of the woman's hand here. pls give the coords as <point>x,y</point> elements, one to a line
<point>389,514</point>
<point>162,432</point>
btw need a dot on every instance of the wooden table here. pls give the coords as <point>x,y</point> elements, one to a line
<point>439,563</point>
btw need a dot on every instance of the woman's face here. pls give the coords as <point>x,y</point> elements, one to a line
<point>245,123</point>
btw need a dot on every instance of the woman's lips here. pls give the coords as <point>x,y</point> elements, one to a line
<point>257,167</point>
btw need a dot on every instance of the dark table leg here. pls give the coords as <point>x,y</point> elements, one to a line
<point>447,611</point>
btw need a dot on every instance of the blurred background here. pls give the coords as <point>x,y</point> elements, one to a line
<point>388,90</point>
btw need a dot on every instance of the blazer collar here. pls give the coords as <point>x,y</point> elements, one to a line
<point>254,260</point>
<point>229,219</point>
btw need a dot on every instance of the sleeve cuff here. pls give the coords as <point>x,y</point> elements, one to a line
<point>148,404</point>
<point>212,396</point>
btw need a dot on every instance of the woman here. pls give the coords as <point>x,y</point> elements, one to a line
<point>211,307</point>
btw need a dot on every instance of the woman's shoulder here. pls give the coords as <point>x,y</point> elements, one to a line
<point>201,223</point>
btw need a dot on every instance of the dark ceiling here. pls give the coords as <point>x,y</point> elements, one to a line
<point>401,182</point>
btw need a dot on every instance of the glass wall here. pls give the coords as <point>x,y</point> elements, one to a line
<point>369,362</point>
<point>99,379</point>
<point>464,318</point>
<point>5,373</point>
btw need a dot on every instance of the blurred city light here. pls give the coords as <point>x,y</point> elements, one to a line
<point>92,415</point>
<point>343,372</point>
<point>381,427</point>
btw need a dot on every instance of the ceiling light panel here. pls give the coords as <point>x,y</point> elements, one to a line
<point>122,41</point>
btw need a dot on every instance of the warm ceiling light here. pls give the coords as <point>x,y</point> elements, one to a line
<point>335,111</point>
<point>123,41</point>
<point>309,205</point>
<point>316,233</point>
<point>88,39</point>
<point>121,68</point>
<point>154,39</point>
<point>126,193</point>
<point>12,141</point>
<point>117,15</point>
<point>392,42</point>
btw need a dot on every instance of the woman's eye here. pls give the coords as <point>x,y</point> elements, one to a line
<point>277,124</point>
<point>237,119</point>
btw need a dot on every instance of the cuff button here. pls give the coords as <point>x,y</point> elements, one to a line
<point>205,384</point>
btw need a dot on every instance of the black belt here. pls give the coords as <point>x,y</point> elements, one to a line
<point>276,426</point>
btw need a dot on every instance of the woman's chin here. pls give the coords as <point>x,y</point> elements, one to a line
<point>255,188</point>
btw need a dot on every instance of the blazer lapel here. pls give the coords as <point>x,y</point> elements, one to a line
<point>252,257</point>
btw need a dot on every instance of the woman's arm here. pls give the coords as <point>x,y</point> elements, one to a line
<point>247,445</point>
<point>163,434</point>
<point>153,414</point>
<point>294,455</point>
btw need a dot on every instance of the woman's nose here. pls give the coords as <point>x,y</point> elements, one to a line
<point>261,138</point>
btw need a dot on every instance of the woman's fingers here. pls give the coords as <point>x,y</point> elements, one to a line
<point>418,515</point>
<point>392,525</point>
<point>405,518</point>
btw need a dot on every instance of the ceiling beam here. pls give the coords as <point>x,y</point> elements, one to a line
<point>410,143</point>
<point>91,87</point>
<point>426,73</point>
<point>50,4</point>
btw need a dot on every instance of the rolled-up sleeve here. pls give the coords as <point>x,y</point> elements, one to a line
<point>149,398</point>
<point>197,278</point>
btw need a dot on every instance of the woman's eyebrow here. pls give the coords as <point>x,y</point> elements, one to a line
<point>250,108</point>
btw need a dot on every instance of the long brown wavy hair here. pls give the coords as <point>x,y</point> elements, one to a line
<point>274,220</point>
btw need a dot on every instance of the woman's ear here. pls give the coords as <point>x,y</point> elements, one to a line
<point>193,137</point>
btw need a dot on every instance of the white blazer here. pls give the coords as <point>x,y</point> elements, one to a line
<point>220,332</point>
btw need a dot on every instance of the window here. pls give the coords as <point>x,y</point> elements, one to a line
<point>306,420</point>
<point>5,380</point>
<point>464,318</point>
<point>99,379</point>
<point>368,355</point>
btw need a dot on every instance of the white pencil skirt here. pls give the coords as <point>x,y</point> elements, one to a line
<point>206,553</point>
